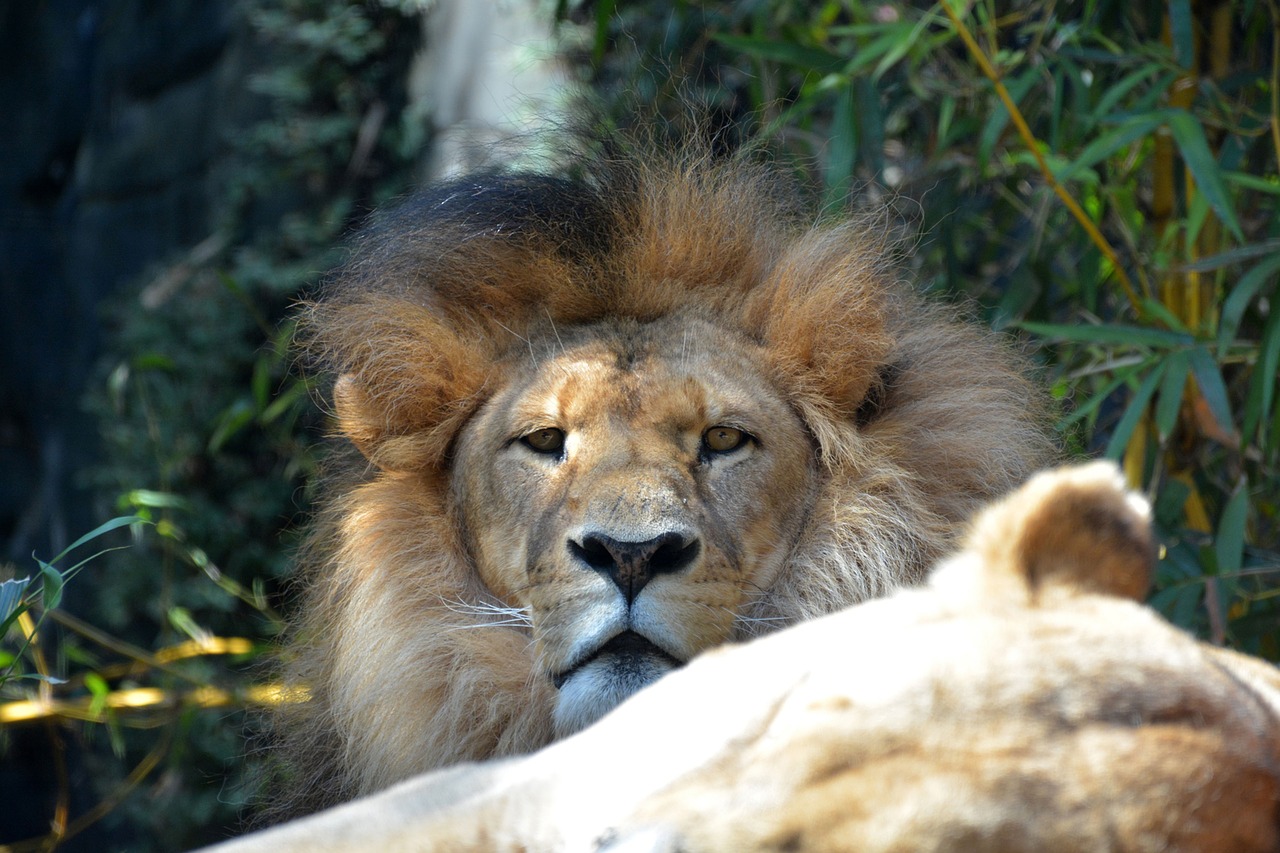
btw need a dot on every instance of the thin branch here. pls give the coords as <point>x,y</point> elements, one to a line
<point>1033,145</point>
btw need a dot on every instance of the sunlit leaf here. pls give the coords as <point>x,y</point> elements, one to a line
<point>11,602</point>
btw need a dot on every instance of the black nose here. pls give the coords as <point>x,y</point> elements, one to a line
<point>631,565</point>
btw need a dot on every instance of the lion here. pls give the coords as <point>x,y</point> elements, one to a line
<point>607,420</point>
<point>1022,700</point>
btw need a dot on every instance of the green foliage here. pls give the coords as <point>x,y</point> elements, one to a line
<point>1110,193</point>
<point>209,436</point>
<point>19,595</point>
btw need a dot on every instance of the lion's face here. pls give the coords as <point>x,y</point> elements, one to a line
<point>633,492</point>
<point>608,422</point>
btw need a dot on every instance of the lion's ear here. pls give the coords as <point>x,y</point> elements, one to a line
<point>358,419</point>
<point>822,316</point>
<point>388,435</point>
<point>1075,529</point>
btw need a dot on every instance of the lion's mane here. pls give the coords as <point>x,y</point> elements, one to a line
<point>915,419</point>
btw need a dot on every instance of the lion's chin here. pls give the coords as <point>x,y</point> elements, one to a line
<point>595,687</point>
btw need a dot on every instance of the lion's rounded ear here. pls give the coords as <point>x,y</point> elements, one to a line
<point>358,418</point>
<point>1076,529</point>
<point>374,430</point>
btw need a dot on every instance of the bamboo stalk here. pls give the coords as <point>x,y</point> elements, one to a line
<point>1033,145</point>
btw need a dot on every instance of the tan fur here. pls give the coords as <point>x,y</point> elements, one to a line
<point>1015,703</point>
<point>647,302</point>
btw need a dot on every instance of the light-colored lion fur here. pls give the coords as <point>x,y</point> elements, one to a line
<point>916,418</point>
<point>1020,701</point>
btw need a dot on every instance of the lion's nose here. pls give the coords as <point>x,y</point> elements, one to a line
<point>631,565</point>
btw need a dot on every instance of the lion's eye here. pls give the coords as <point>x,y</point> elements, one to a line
<point>723,439</point>
<point>548,440</point>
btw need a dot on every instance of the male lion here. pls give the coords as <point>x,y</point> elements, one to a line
<point>610,421</point>
<point>1020,701</point>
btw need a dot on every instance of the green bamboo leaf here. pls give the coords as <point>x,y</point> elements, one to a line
<point>1228,545</point>
<point>1238,255</point>
<point>99,690</point>
<point>261,383</point>
<point>1135,127</point>
<point>1091,405</point>
<point>905,44</point>
<point>12,604</point>
<point>1133,414</point>
<point>1189,135</point>
<point>1182,32</point>
<point>1111,334</point>
<point>1241,296</point>
<point>1172,387</point>
<point>1212,388</point>
<point>1262,384</point>
<point>1158,310</point>
<point>604,12</point>
<point>233,419</point>
<point>101,529</point>
<point>843,153</point>
<point>1115,93</point>
<point>787,53</point>
<point>879,47</point>
<point>281,404</point>
<point>1253,182</point>
<point>181,618</point>
<point>153,500</point>
<point>870,117</point>
<point>51,589</point>
<point>999,118</point>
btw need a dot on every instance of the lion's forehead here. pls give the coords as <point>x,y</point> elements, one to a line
<point>671,391</point>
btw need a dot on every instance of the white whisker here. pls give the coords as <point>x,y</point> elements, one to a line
<point>494,615</point>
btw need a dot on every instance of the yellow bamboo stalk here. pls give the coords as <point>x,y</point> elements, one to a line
<point>1033,145</point>
<point>147,699</point>
<point>1135,452</point>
